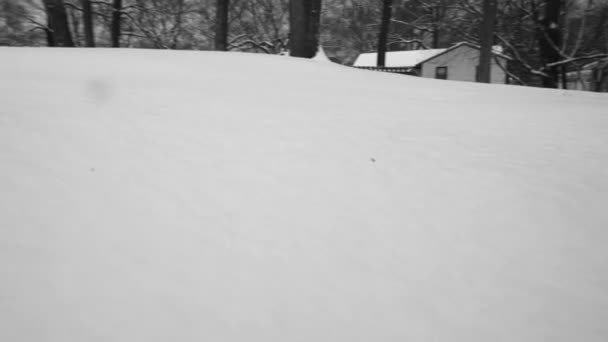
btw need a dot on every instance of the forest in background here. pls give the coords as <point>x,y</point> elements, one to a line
<point>575,32</point>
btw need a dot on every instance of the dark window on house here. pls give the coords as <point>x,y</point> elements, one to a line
<point>441,73</point>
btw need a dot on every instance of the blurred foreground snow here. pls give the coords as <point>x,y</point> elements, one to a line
<point>201,196</point>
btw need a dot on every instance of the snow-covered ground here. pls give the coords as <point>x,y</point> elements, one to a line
<point>201,196</point>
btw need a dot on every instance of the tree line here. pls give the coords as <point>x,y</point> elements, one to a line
<point>545,38</point>
<point>253,25</point>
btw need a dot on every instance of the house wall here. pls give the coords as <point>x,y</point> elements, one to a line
<point>462,65</point>
<point>578,80</point>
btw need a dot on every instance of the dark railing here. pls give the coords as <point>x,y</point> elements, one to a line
<point>394,70</point>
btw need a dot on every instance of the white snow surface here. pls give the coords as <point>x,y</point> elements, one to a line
<point>202,196</point>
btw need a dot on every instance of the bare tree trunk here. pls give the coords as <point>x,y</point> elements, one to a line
<point>58,32</point>
<point>221,25</point>
<point>486,34</point>
<point>50,40</point>
<point>74,19</point>
<point>435,26</point>
<point>387,8</point>
<point>116,22</point>
<point>550,41</point>
<point>87,13</point>
<point>304,22</point>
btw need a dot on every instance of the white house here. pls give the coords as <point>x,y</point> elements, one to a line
<point>458,62</point>
<point>591,77</point>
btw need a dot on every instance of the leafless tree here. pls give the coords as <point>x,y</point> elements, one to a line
<point>170,24</point>
<point>87,15</point>
<point>486,34</point>
<point>387,8</point>
<point>116,22</point>
<point>304,23</point>
<point>550,40</point>
<point>259,25</point>
<point>58,30</point>
<point>424,22</point>
<point>221,25</point>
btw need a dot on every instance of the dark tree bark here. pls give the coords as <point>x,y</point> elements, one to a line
<point>221,25</point>
<point>486,34</point>
<point>304,22</point>
<point>74,20</point>
<point>435,13</point>
<point>435,42</point>
<point>58,31</point>
<point>387,8</point>
<point>550,41</point>
<point>50,40</point>
<point>116,22</point>
<point>87,13</point>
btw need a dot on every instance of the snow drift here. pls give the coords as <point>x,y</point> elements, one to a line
<point>200,196</point>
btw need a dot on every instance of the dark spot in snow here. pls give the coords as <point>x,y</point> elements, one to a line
<point>92,169</point>
<point>98,90</point>
<point>373,160</point>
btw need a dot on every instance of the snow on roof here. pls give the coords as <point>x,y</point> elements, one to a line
<point>404,59</point>
<point>408,59</point>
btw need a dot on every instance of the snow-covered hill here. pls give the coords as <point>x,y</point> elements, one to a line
<point>200,196</point>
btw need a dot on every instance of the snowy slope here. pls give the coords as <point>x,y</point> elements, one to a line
<point>199,196</point>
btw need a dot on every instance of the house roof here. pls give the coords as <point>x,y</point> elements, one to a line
<point>412,58</point>
<point>397,58</point>
<point>496,51</point>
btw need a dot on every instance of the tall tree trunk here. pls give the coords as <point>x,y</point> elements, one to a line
<point>116,22</point>
<point>304,22</point>
<point>74,19</point>
<point>486,34</point>
<point>435,14</point>
<point>58,32</point>
<point>387,8</point>
<point>435,35</point>
<point>50,40</point>
<point>550,41</point>
<point>87,13</point>
<point>221,25</point>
